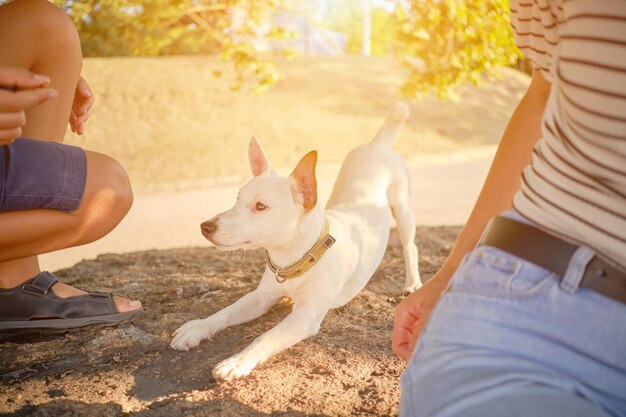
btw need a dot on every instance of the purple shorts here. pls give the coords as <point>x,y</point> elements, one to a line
<point>41,175</point>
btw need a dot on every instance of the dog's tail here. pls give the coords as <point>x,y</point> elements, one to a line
<point>394,121</point>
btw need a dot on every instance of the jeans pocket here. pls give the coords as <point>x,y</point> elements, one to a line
<point>494,272</point>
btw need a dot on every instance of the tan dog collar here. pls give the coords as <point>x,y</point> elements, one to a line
<point>308,260</point>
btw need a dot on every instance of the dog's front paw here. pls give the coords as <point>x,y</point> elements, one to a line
<point>234,367</point>
<point>190,334</point>
<point>410,289</point>
<point>411,284</point>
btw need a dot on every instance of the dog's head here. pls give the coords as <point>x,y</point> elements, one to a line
<point>269,208</point>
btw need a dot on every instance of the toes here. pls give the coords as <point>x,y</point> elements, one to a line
<point>233,368</point>
<point>410,289</point>
<point>123,304</point>
<point>180,345</point>
<point>183,342</point>
<point>189,335</point>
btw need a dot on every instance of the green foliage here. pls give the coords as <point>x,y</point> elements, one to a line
<point>384,37</point>
<point>249,23</point>
<point>346,16</point>
<point>446,43</point>
<point>229,28</point>
<point>442,43</point>
<point>123,28</point>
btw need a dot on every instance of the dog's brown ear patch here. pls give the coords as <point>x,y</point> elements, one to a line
<point>258,161</point>
<point>304,179</point>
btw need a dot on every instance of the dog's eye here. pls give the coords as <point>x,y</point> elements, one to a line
<point>260,206</point>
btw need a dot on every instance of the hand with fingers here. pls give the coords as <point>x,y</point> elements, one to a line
<point>81,107</point>
<point>20,90</point>
<point>413,313</point>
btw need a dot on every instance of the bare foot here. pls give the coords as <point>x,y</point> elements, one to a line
<point>12,274</point>
<point>123,304</point>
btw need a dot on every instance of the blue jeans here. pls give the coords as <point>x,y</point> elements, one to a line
<point>511,339</point>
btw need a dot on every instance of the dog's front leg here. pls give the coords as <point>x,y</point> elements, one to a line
<point>304,321</point>
<point>248,307</point>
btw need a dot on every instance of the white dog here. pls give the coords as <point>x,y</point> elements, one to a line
<point>319,258</point>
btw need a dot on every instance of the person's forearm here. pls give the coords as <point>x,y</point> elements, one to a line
<point>503,181</point>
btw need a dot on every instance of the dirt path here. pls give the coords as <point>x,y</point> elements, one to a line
<point>348,369</point>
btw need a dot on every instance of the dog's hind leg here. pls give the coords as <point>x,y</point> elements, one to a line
<point>399,197</point>
<point>248,307</point>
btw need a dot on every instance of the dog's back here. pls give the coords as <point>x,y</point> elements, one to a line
<point>370,169</point>
<point>373,179</point>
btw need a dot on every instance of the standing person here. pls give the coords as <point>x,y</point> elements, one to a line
<point>52,196</point>
<point>532,321</point>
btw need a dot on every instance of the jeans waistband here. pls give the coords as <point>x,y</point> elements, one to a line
<point>578,266</point>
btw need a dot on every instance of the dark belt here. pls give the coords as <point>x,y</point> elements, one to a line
<point>550,252</point>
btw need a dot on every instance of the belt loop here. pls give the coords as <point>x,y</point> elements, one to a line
<point>576,269</point>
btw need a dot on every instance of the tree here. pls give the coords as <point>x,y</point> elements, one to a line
<point>167,27</point>
<point>347,17</point>
<point>445,43</point>
<point>442,43</point>
<point>124,28</point>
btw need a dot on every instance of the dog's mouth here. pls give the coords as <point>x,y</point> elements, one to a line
<point>230,247</point>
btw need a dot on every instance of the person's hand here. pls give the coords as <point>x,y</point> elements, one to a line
<point>81,107</point>
<point>413,313</point>
<point>20,90</point>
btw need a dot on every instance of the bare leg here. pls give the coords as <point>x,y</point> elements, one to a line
<point>36,35</point>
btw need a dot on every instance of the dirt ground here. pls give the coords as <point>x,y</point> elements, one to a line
<point>347,369</point>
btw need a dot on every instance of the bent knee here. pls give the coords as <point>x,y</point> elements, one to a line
<point>119,185</point>
<point>107,179</point>
<point>108,195</point>
<point>47,24</point>
<point>43,15</point>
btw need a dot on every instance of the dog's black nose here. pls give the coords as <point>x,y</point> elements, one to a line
<point>208,228</point>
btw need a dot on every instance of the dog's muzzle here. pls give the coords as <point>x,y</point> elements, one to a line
<point>208,228</point>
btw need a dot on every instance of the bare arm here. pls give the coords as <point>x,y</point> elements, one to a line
<point>503,181</point>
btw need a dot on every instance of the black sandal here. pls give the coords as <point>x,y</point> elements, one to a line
<point>32,307</point>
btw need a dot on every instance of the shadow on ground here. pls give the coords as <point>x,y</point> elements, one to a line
<point>346,369</point>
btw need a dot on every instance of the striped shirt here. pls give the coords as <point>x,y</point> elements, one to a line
<point>575,186</point>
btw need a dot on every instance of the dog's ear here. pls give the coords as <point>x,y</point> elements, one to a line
<point>304,182</point>
<point>258,161</point>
